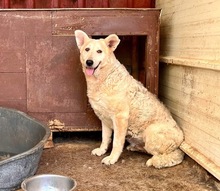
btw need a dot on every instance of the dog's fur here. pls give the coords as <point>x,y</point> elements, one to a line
<point>126,107</point>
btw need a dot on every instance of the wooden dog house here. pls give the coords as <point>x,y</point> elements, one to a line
<point>40,71</point>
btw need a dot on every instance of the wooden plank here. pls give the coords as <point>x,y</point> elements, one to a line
<point>119,4</point>
<point>93,3</point>
<point>205,108</point>
<point>20,104</point>
<point>196,63</point>
<point>201,159</point>
<point>12,36</point>
<point>77,4</point>
<point>72,121</point>
<point>67,118</point>
<point>192,95</point>
<point>167,31</point>
<point>205,13</point>
<point>13,86</point>
<point>185,34</point>
<point>199,88</point>
<point>201,84</point>
<point>120,21</point>
<point>200,48</point>
<point>184,8</point>
<point>191,118</point>
<point>12,61</point>
<point>68,3</point>
<point>56,71</point>
<point>197,134</point>
<point>81,3</point>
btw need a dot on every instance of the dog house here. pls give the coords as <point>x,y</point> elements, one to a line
<point>40,71</point>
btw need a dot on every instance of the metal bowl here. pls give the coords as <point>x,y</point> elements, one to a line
<point>47,182</point>
<point>21,144</point>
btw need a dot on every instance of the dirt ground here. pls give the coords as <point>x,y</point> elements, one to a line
<point>72,157</point>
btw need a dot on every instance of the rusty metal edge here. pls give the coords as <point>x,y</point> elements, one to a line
<point>83,9</point>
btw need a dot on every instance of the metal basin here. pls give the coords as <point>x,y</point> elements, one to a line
<point>46,182</point>
<point>21,144</point>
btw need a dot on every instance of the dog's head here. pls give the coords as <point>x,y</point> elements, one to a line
<point>94,54</point>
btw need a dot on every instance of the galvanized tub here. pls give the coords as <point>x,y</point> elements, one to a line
<point>21,144</point>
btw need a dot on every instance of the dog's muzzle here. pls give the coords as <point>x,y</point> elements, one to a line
<point>89,69</point>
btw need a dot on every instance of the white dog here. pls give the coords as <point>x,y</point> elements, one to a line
<point>126,107</point>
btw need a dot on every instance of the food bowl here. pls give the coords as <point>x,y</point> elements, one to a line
<point>21,144</point>
<point>47,182</point>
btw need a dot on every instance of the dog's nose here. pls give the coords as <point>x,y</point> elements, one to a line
<point>89,62</point>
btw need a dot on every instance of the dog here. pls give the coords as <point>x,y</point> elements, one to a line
<point>126,107</point>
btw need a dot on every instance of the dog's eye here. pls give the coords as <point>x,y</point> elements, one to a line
<point>87,49</point>
<point>99,51</point>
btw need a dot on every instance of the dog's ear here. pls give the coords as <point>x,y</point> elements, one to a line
<point>81,38</point>
<point>112,41</point>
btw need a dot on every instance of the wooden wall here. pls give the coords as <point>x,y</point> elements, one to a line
<point>190,75</point>
<point>38,4</point>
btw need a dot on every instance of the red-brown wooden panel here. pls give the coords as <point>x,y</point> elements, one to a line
<point>12,32</point>
<point>17,3</point>
<point>105,22</point>
<point>94,3</point>
<point>12,61</point>
<point>37,23</point>
<point>132,4</point>
<point>73,121</point>
<point>143,3</point>
<point>68,3</point>
<point>13,86</point>
<point>78,119</point>
<point>55,81</point>
<point>119,4</point>
<point>77,3</point>
<point>15,104</point>
<point>44,4</point>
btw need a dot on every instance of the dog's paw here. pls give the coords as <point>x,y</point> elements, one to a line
<point>129,148</point>
<point>109,160</point>
<point>149,163</point>
<point>98,152</point>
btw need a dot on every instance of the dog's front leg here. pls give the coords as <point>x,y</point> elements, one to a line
<point>106,140</point>
<point>120,130</point>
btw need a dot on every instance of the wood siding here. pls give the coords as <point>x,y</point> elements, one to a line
<point>190,75</point>
<point>76,4</point>
<point>190,29</point>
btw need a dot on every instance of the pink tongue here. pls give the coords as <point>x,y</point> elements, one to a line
<point>89,71</point>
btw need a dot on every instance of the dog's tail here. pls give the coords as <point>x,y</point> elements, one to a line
<point>166,159</point>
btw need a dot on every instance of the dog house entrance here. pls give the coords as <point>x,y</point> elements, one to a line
<point>139,27</point>
<point>131,53</point>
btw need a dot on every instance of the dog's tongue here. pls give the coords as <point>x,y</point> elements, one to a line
<point>89,71</point>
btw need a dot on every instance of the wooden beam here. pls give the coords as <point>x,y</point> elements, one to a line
<point>201,159</point>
